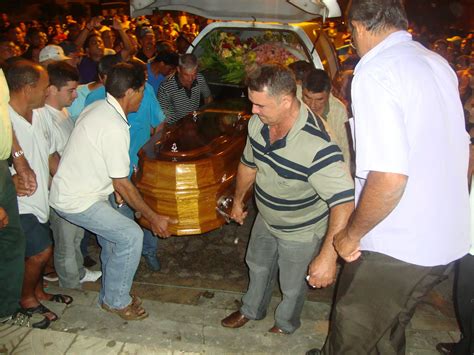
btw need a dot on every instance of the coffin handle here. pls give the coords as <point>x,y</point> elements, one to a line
<point>224,207</point>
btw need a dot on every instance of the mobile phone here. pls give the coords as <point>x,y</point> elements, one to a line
<point>107,22</point>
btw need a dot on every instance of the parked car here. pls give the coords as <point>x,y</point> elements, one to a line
<point>189,170</point>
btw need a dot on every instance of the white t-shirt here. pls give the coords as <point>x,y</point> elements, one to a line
<point>62,126</point>
<point>96,153</point>
<point>37,142</point>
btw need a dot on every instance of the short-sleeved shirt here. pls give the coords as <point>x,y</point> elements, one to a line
<point>37,142</point>
<point>177,101</point>
<point>409,120</point>
<point>154,80</point>
<point>335,115</point>
<point>62,126</point>
<point>149,115</point>
<point>299,177</point>
<point>5,123</point>
<point>96,153</point>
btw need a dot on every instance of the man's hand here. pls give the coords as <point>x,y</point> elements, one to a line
<point>348,248</point>
<point>238,212</point>
<point>3,218</point>
<point>117,24</point>
<point>322,271</point>
<point>21,187</point>
<point>159,225</point>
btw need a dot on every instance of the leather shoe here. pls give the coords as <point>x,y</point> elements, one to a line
<point>234,320</point>
<point>445,348</point>
<point>277,330</point>
<point>314,351</point>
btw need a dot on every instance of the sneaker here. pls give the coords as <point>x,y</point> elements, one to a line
<point>91,276</point>
<point>152,262</point>
<point>51,276</point>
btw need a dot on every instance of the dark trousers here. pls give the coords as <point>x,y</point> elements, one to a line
<point>464,299</point>
<point>12,247</point>
<point>376,298</point>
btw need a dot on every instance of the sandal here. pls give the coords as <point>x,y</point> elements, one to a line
<point>131,312</point>
<point>51,276</point>
<point>59,298</point>
<point>136,301</point>
<point>19,319</point>
<point>42,310</point>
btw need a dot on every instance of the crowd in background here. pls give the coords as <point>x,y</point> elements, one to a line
<point>26,39</point>
<point>454,45</point>
<point>177,31</point>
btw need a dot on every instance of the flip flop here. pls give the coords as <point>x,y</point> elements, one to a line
<point>42,310</point>
<point>59,298</point>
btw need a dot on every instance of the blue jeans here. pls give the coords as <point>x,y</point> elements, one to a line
<point>121,240</point>
<point>68,258</point>
<point>150,242</point>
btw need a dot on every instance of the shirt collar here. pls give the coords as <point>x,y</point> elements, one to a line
<point>294,130</point>
<point>300,120</point>
<point>391,40</point>
<point>180,86</point>
<point>112,101</point>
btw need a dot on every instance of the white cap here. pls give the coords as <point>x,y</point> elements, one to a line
<point>52,52</point>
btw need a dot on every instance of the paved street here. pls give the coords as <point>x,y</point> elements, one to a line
<point>202,281</point>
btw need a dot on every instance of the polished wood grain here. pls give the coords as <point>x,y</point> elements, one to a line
<point>184,172</point>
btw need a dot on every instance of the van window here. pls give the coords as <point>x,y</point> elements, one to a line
<point>224,54</point>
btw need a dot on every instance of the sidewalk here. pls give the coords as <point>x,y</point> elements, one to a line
<point>193,327</point>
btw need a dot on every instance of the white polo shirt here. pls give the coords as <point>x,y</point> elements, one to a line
<point>37,142</point>
<point>62,126</point>
<point>409,120</point>
<point>96,153</point>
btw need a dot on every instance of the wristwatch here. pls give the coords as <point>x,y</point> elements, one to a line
<point>18,153</point>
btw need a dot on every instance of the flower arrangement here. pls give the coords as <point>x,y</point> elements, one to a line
<point>229,53</point>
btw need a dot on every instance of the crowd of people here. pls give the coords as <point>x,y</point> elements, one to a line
<point>66,173</point>
<point>52,85</point>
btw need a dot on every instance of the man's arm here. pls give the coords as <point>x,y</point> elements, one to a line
<point>25,174</point>
<point>208,100</point>
<point>53,163</point>
<point>245,179</point>
<point>165,102</point>
<point>3,218</point>
<point>322,270</point>
<point>86,30</point>
<point>130,194</point>
<point>381,194</point>
<point>127,45</point>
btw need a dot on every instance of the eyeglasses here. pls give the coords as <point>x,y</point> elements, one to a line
<point>351,43</point>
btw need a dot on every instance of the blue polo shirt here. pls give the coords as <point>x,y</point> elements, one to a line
<point>149,115</point>
<point>154,80</point>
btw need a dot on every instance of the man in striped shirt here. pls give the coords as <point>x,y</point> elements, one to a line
<point>304,196</point>
<point>181,93</point>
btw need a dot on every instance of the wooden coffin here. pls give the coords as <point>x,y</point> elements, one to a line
<point>187,168</point>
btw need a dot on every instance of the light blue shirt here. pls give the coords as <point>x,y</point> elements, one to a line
<point>154,80</point>
<point>79,103</point>
<point>149,115</point>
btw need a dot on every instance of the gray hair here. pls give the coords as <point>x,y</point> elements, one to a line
<point>188,62</point>
<point>378,15</point>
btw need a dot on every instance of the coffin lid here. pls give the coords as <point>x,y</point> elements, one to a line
<point>285,11</point>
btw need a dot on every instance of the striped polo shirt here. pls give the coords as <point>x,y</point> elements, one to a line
<point>299,177</point>
<point>177,101</point>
